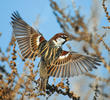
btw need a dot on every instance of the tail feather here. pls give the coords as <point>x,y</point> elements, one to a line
<point>43,83</point>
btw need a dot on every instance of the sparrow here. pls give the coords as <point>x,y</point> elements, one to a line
<point>54,61</point>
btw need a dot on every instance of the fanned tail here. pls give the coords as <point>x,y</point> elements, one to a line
<point>43,83</point>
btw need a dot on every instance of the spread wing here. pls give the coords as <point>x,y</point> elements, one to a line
<point>71,64</point>
<point>28,39</point>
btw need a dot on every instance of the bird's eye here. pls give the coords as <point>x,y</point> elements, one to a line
<point>63,36</point>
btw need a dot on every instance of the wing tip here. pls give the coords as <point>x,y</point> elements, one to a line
<point>15,16</point>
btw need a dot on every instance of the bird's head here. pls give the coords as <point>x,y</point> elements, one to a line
<point>60,38</point>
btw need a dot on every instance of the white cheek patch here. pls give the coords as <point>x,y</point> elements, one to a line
<point>59,41</point>
<point>64,56</point>
<point>55,42</point>
<point>38,40</point>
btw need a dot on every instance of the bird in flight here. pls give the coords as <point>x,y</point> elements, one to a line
<point>54,61</point>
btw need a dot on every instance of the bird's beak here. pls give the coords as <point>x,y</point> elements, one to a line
<point>68,38</point>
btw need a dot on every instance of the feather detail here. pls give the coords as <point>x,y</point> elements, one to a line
<point>71,64</point>
<point>28,39</point>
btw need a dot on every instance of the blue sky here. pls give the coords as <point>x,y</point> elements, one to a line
<point>29,10</point>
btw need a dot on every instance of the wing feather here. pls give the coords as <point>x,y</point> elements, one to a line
<point>72,64</point>
<point>28,39</point>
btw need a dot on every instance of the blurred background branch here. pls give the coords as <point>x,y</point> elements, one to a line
<point>85,34</point>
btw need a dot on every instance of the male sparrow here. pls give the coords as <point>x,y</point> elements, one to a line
<point>54,61</point>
